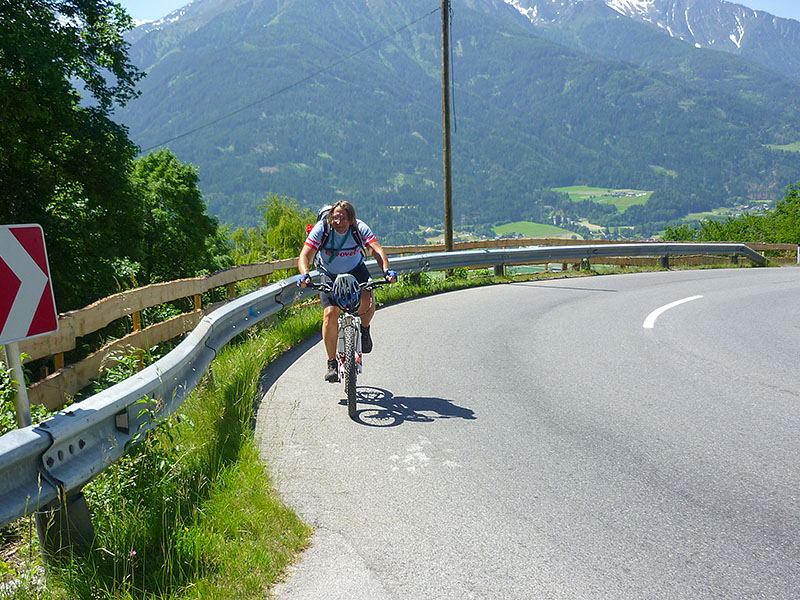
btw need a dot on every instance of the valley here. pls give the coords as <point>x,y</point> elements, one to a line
<point>285,98</point>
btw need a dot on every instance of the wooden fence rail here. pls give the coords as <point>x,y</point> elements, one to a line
<point>67,380</point>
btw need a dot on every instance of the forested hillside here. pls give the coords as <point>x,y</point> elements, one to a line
<point>530,114</point>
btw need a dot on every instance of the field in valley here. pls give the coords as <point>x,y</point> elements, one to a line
<point>622,198</point>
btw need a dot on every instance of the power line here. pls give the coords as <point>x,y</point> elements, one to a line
<point>291,85</point>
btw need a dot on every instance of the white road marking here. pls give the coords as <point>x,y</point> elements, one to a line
<point>650,321</point>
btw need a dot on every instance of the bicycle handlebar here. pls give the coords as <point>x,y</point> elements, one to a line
<point>367,285</point>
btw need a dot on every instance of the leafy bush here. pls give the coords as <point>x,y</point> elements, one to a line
<point>8,410</point>
<point>118,366</point>
<point>779,226</point>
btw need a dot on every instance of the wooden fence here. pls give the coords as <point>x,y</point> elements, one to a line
<point>68,380</point>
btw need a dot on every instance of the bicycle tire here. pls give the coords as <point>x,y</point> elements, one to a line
<point>350,370</point>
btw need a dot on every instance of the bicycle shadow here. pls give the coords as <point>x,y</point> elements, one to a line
<point>380,408</point>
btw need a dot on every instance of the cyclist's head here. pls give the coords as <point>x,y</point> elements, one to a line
<point>347,207</point>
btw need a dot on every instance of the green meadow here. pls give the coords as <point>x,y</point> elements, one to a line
<point>717,213</point>
<point>621,198</point>
<point>529,229</point>
<point>795,147</point>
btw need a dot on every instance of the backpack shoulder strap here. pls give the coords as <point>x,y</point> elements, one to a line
<point>357,236</point>
<point>326,233</point>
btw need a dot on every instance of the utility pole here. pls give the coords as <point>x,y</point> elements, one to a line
<point>448,180</point>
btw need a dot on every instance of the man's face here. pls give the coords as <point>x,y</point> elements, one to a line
<point>339,220</point>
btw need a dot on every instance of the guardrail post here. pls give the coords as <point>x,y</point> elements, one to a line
<point>499,270</point>
<point>586,265</point>
<point>65,526</point>
<point>198,301</point>
<point>137,321</point>
<point>734,259</point>
<point>232,290</point>
<point>664,261</point>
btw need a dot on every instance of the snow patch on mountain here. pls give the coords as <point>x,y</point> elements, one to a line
<point>693,21</point>
<point>532,12</point>
<point>737,36</point>
<point>631,7</point>
<point>164,21</point>
<point>688,21</point>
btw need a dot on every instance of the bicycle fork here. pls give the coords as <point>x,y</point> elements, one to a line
<point>348,321</point>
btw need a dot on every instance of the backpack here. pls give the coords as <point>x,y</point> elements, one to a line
<point>322,215</point>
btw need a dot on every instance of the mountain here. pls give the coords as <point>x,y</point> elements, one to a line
<point>753,34</point>
<point>319,99</point>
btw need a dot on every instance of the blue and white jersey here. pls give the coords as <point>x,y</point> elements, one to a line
<point>341,253</point>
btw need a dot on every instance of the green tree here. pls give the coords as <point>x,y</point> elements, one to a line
<point>787,217</point>
<point>63,162</point>
<point>179,236</point>
<point>281,233</point>
<point>285,225</point>
<point>681,233</point>
<point>249,245</point>
<point>780,226</point>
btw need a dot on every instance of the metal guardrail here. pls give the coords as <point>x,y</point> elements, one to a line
<point>69,449</point>
<point>513,256</point>
<point>42,463</point>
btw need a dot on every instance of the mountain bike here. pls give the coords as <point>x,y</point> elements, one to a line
<point>346,292</point>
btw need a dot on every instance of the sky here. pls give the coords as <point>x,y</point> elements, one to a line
<point>789,9</point>
<point>150,10</point>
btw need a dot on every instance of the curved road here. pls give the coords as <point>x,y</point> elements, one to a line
<point>538,440</point>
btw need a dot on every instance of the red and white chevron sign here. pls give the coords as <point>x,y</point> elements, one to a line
<point>27,305</point>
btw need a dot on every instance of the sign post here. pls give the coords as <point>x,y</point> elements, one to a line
<point>27,305</point>
<point>21,402</point>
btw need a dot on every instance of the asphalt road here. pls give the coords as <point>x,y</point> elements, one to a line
<point>536,440</point>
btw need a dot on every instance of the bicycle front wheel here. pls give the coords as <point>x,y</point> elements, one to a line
<point>350,369</point>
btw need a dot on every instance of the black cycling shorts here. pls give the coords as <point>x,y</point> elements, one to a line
<point>361,273</point>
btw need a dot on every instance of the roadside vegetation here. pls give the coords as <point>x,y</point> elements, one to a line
<point>778,226</point>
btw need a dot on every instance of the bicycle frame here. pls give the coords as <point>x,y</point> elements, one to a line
<point>348,320</point>
<point>349,358</point>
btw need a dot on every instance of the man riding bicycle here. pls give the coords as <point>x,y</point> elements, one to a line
<point>341,253</point>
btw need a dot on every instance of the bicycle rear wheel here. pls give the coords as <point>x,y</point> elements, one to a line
<point>350,369</point>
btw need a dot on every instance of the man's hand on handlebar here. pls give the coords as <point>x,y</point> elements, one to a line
<point>390,276</point>
<point>304,280</point>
